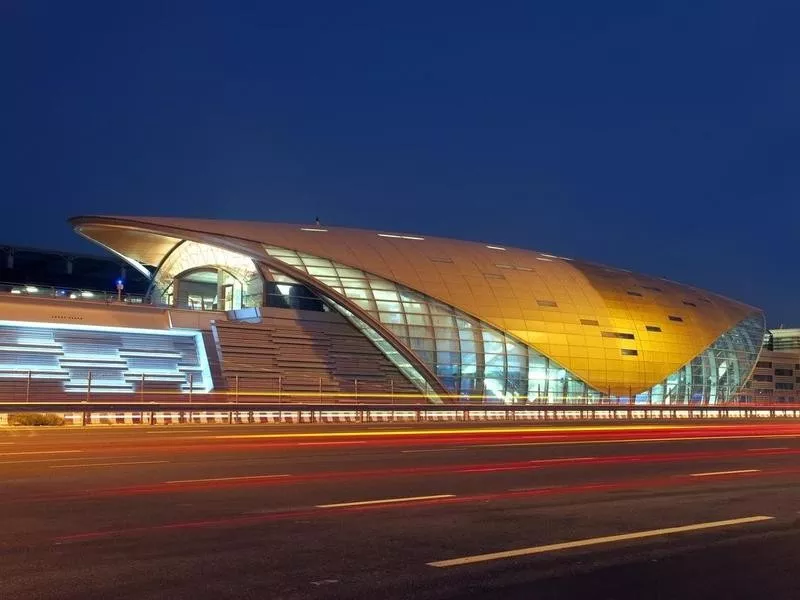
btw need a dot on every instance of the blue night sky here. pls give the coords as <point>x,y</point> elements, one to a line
<point>662,137</point>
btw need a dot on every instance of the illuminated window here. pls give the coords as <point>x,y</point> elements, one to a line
<point>653,328</point>
<point>547,303</point>
<point>204,277</point>
<point>677,319</point>
<point>629,352</point>
<point>590,322</point>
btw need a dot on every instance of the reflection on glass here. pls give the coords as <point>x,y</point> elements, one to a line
<point>204,277</point>
<point>473,360</point>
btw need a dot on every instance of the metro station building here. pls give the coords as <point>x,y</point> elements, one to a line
<point>315,309</point>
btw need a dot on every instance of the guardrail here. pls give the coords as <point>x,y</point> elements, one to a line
<point>86,413</point>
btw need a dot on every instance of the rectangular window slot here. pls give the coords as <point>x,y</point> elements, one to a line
<point>617,335</point>
<point>319,229</point>
<point>652,288</point>
<point>763,364</point>
<point>632,293</point>
<point>784,372</point>
<point>502,266</point>
<point>493,276</point>
<point>677,319</point>
<point>653,328</point>
<point>495,247</point>
<point>762,377</point>
<point>525,269</point>
<point>543,259</point>
<point>590,322</point>
<point>629,352</point>
<point>547,303</point>
<point>442,260</point>
<point>687,303</point>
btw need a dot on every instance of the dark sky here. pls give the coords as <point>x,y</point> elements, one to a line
<point>663,137</point>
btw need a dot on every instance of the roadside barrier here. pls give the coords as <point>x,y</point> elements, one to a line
<point>166,413</point>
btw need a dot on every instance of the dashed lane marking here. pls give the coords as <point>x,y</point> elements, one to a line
<point>242,478</point>
<point>713,473</point>
<point>385,501</point>
<point>479,558</point>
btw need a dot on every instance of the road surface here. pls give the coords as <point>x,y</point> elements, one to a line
<point>392,511</point>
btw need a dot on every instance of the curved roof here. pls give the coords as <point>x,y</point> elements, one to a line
<point>579,314</point>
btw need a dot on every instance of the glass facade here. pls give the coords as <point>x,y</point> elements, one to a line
<point>203,277</point>
<point>473,360</point>
<point>715,375</point>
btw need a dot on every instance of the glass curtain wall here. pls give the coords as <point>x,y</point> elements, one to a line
<point>238,283</point>
<point>475,361</point>
<point>471,359</point>
<point>715,375</point>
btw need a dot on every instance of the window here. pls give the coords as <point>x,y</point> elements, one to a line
<point>784,386</point>
<point>762,377</point>
<point>784,372</point>
<point>618,335</point>
<point>674,318</point>
<point>629,352</point>
<point>547,303</point>
<point>687,303</point>
<point>590,322</point>
<point>442,260</point>
<point>652,288</point>
<point>632,293</point>
<point>654,328</point>
<point>493,276</point>
<point>764,364</point>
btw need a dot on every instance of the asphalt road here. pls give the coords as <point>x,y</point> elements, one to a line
<point>401,512</point>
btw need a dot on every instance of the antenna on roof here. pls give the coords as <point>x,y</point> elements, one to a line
<point>316,220</point>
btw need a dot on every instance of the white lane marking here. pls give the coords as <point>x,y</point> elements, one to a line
<point>41,452</point>
<point>245,477</point>
<point>489,469</point>
<point>385,501</point>
<point>467,560</point>
<point>432,450</point>
<point>766,449</point>
<point>113,464</point>
<point>712,473</point>
<point>48,460</point>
